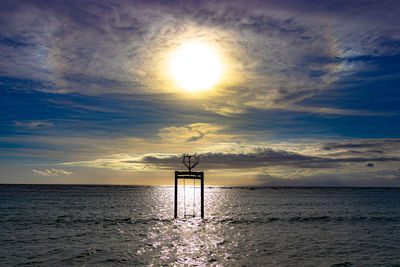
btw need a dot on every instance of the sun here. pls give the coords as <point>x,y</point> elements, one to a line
<point>195,66</point>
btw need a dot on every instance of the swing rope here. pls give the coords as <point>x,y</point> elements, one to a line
<point>194,198</point>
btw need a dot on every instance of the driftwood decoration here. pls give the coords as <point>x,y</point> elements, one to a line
<point>190,161</point>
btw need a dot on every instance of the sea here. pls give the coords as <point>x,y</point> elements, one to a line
<point>95,225</point>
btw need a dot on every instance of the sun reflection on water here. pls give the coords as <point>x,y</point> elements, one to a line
<point>190,240</point>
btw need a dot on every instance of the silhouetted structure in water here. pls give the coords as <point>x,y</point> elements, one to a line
<point>190,161</point>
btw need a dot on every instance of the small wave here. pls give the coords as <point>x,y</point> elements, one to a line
<point>342,264</point>
<point>304,219</point>
<point>69,220</point>
<point>111,221</point>
<point>310,219</point>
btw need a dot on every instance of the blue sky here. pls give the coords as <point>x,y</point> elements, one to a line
<point>310,94</point>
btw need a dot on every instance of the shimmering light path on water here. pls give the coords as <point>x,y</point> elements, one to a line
<point>56,225</point>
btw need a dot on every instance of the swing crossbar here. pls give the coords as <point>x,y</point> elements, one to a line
<point>189,175</point>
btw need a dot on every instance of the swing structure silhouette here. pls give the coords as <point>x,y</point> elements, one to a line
<point>190,161</point>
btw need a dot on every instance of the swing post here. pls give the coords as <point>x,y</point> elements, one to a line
<point>176,196</point>
<point>202,194</point>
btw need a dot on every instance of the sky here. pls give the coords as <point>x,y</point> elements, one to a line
<point>309,94</point>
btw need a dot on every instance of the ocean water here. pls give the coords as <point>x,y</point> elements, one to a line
<point>53,225</point>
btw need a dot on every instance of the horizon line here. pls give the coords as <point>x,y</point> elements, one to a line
<point>212,186</point>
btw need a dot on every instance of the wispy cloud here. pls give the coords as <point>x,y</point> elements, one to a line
<point>335,111</point>
<point>52,172</point>
<point>32,124</point>
<point>386,144</point>
<point>204,132</point>
<point>288,56</point>
<point>115,162</point>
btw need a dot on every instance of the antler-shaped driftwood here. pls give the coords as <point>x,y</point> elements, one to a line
<point>186,160</point>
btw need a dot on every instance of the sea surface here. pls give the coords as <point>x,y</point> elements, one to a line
<point>55,225</point>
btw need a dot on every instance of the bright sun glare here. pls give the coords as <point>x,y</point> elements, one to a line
<point>195,66</point>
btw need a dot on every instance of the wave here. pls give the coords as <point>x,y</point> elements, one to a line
<point>310,219</point>
<point>69,220</point>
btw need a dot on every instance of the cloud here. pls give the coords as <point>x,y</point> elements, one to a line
<point>303,163</point>
<point>275,55</point>
<point>195,138</point>
<point>195,132</point>
<point>218,149</point>
<point>52,172</point>
<point>115,162</point>
<point>363,144</point>
<point>262,157</point>
<point>32,124</point>
<point>327,110</point>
